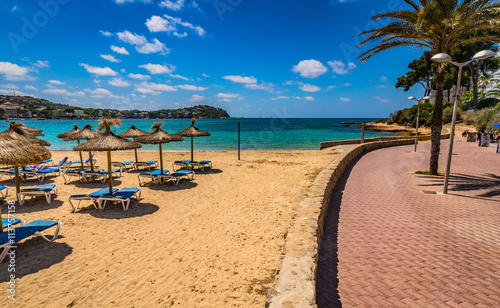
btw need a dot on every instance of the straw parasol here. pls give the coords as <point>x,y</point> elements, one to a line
<point>192,131</point>
<point>159,136</point>
<point>107,141</point>
<point>84,134</point>
<point>68,134</point>
<point>30,130</point>
<point>17,131</point>
<point>133,132</point>
<point>17,152</point>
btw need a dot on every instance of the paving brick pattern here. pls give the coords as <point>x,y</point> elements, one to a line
<point>387,243</point>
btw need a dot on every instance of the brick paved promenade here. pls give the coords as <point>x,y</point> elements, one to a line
<point>398,246</point>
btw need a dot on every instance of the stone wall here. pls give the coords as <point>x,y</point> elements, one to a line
<point>295,282</point>
<point>329,144</point>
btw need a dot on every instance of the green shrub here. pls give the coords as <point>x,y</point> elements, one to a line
<point>379,121</point>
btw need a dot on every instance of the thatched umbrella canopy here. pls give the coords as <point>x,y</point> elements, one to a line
<point>65,136</point>
<point>17,152</point>
<point>133,132</point>
<point>16,131</point>
<point>159,136</point>
<point>29,130</point>
<point>107,141</point>
<point>192,131</point>
<point>84,134</point>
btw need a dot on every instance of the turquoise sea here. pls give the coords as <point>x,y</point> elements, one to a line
<point>256,134</point>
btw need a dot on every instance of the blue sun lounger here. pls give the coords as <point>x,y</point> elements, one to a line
<point>40,174</point>
<point>8,239</point>
<point>39,190</point>
<point>123,165</point>
<point>68,174</point>
<point>123,195</point>
<point>4,191</point>
<point>190,164</point>
<point>150,175</point>
<point>10,173</point>
<point>150,164</point>
<point>10,222</point>
<point>85,162</point>
<point>176,176</point>
<point>102,175</point>
<point>92,197</point>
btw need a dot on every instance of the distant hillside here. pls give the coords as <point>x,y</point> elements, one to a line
<point>28,107</point>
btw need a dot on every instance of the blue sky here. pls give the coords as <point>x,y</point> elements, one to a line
<point>294,58</point>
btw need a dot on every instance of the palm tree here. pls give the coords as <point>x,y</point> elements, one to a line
<point>437,25</point>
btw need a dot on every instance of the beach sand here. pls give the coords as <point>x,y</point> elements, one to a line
<point>212,242</point>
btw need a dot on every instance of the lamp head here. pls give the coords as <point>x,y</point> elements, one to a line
<point>484,54</point>
<point>427,98</point>
<point>411,97</point>
<point>441,57</point>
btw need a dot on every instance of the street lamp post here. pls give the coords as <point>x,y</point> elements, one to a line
<point>418,116</point>
<point>442,57</point>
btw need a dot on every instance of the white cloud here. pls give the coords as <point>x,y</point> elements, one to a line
<point>9,86</point>
<point>189,87</point>
<point>147,91</point>
<point>63,92</point>
<point>29,87</point>
<point>156,69</point>
<point>110,58</point>
<point>14,8</point>
<point>106,33</point>
<point>279,97</point>
<point>101,71</point>
<point>197,99</point>
<point>141,43</point>
<point>41,64</point>
<point>309,99</point>
<point>13,71</point>
<point>56,82</point>
<point>174,5</point>
<point>119,82</point>
<point>331,87</point>
<point>310,68</point>
<point>340,68</point>
<point>125,1</point>
<point>155,87</point>
<point>383,78</point>
<point>347,84</point>
<point>310,88</point>
<point>228,97</point>
<point>119,50</point>
<point>10,92</point>
<point>139,76</point>
<point>205,75</point>
<point>172,25</point>
<point>240,79</point>
<point>100,92</point>
<point>382,100</point>
<point>263,86</point>
<point>345,99</point>
<point>154,47</point>
<point>178,77</point>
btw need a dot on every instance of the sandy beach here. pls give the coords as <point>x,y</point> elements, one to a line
<point>211,242</point>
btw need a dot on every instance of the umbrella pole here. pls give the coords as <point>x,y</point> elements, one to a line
<point>81,156</point>
<point>18,189</point>
<point>161,159</point>
<point>135,150</point>
<point>192,149</point>
<point>110,176</point>
<point>91,162</point>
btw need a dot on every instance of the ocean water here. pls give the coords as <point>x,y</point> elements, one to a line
<point>256,134</point>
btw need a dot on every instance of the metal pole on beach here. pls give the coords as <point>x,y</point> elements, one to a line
<point>239,141</point>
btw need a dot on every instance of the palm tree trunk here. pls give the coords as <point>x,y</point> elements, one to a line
<point>437,121</point>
